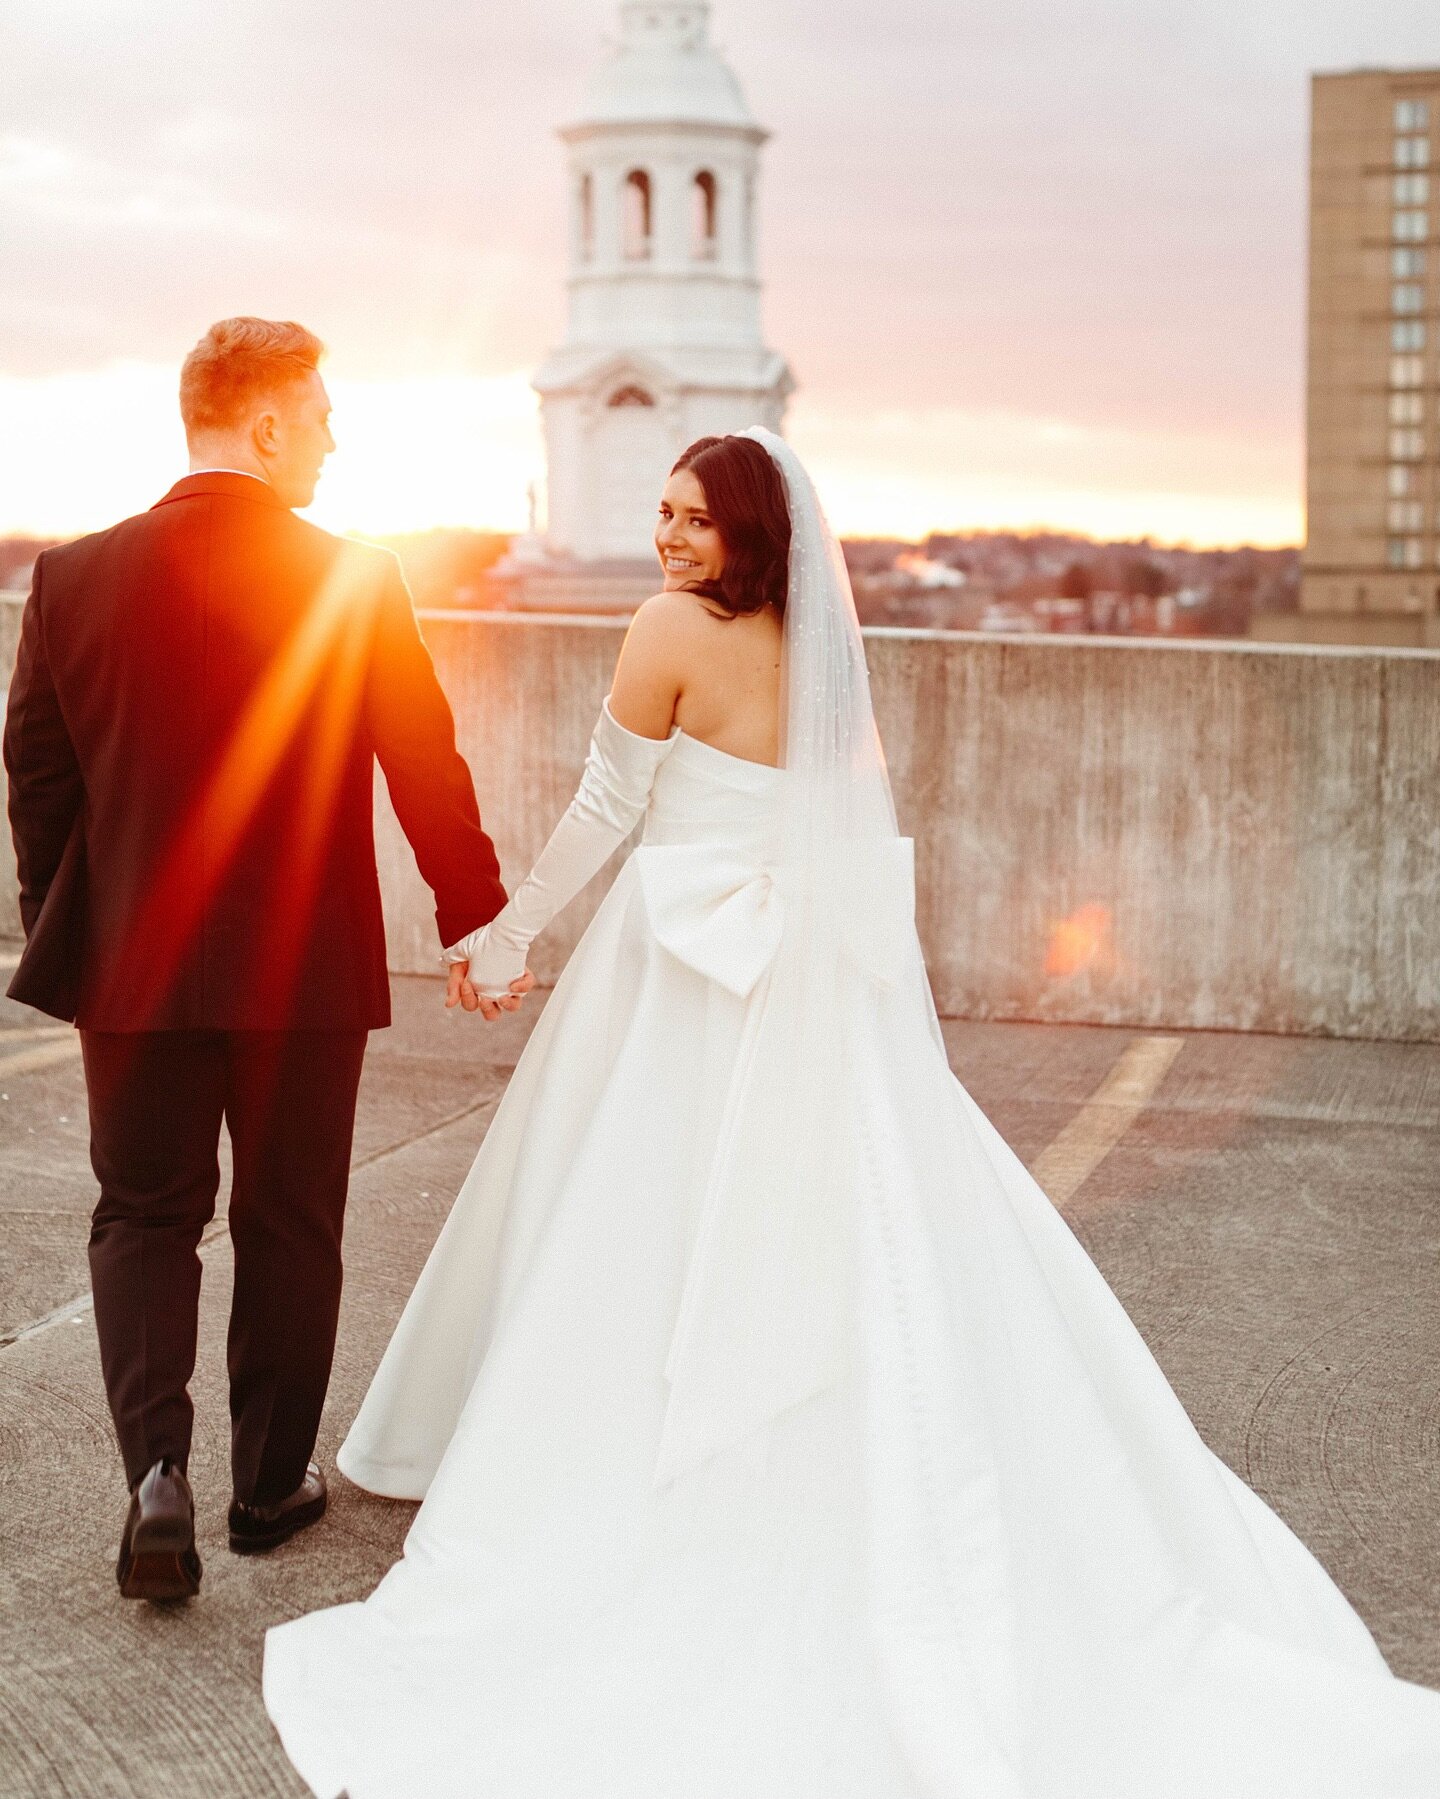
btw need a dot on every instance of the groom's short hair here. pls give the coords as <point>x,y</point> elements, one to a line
<point>239,362</point>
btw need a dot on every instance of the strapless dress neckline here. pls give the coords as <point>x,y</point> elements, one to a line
<point>683,737</point>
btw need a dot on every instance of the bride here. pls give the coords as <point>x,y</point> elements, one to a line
<point>777,1440</point>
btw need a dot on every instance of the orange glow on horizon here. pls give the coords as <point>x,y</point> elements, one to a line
<point>416,452</point>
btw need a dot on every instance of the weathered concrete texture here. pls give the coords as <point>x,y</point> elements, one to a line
<point>1270,1222</point>
<point>1176,835</point>
<point>1172,834</point>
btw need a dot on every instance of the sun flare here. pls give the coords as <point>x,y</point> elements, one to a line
<point>79,451</point>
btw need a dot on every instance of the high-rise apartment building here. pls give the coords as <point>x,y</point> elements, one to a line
<point>1372,560</point>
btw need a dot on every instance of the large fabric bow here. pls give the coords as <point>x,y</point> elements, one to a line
<point>768,1298</point>
<point>723,910</point>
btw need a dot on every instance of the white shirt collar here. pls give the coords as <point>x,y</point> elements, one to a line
<point>230,471</point>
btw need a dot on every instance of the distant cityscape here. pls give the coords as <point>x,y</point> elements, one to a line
<point>1047,581</point>
<point>951,581</point>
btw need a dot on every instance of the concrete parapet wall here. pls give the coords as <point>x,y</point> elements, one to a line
<point>1172,835</point>
<point>1167,835</point>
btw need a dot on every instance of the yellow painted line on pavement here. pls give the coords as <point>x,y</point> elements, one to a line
<point>44,1055</point>
<point>1066,1164</point>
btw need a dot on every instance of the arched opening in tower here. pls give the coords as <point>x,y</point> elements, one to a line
<point>585,204</point>
<point>636,216</point>
<point>704,216</point>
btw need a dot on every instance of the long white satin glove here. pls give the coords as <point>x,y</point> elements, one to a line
<point>612,796</point>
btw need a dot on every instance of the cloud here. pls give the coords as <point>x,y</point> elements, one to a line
<point>86,194</point>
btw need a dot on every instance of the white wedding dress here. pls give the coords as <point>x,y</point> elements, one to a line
<point>776,1437</point>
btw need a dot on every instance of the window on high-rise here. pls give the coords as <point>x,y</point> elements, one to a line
<point>1412,115</point>
<point>1407,296</point>
<point>1411,227</point>
<point>1407,371</point>
<point>1407,335</point>
<point>1407,409</point>
<point>1411,190</point>
<point>1412,153</point>
<point>1403,481</point>
<point>1405,515</point>
<point>1404,264</point>
<point>1407,446</point>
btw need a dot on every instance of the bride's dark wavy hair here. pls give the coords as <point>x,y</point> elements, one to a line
<point>745,496</point>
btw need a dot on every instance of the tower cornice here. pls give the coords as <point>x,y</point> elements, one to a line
<point>587,129</point>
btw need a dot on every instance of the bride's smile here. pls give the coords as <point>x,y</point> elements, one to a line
<point>686,538</point>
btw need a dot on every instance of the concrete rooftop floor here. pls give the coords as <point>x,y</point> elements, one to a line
<point>1270,1216</point>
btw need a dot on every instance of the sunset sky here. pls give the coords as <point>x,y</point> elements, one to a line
<point>1035,264</point>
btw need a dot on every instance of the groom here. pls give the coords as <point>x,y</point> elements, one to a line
<point>199,699</point>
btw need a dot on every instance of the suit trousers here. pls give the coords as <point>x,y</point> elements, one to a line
<point>157,1102</point>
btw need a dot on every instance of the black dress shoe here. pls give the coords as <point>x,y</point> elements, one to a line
<point>256,1528</point>
<point>157,1552</point>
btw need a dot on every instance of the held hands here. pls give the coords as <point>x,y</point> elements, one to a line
<point>490,973</point>
<point>493,976</point>
<point>460,991</point>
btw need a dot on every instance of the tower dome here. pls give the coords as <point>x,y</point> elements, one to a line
<point>663,342</point>
<point>664,68</point>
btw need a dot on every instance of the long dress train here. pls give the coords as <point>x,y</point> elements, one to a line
<point>987,1556</point>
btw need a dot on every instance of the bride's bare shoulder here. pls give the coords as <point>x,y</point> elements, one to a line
<point>656,661</point>
<point>674,612</point>
<point>668,630</point>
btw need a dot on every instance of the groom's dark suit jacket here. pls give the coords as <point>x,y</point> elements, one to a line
<point>198,702</point>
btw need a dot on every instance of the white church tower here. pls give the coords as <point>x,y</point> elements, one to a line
<point>664,342</point>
